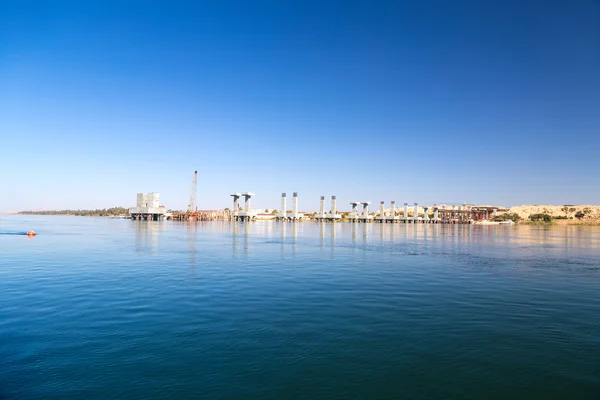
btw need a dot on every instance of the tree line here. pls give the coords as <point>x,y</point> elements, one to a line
<point>105,212</point>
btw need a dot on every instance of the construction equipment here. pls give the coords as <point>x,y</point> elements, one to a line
<point>192,206</point>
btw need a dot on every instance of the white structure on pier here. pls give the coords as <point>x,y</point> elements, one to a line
<point>364,215</point>
<point>387,218</point>
<point>294,215</point>
<point>247,214</point>
<point>148,207</point>
<point>405,216</point>
<point>331,215</point>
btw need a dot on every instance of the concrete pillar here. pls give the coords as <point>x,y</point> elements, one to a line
<point>247,202</point>
<point>426,214</point>
<point>236,202</point>
<point>416,212</point>
<point>406,211</point>
<point>393,210</point>
<point>435,213</point>
<point>283,205</point>
<point>382,209</point>
<point>333,206</point>
<point>295,204</point>
<point>354,211</point>
<point>322,206</point>
<point>365,211</point>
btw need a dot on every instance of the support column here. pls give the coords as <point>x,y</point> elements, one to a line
<point>295,204</point>
<point>406,212</point>
<point>354,211</point>
<point>365,212</point>
<point>247,203</point>
<point>236,202</point>
<point>333,207</point>
<point>382,211</point>
<point>393,210</point>
<point>416,213</point>
<point>435,214</point>
<point>283,206</point>
<point>426,214</point>
<point>322,205</point>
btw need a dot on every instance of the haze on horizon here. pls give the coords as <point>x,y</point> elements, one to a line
<point>434,102</point>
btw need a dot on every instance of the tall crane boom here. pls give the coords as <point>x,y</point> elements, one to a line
<point>192,205</point>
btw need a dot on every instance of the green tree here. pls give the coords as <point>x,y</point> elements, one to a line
<point>540,217</point>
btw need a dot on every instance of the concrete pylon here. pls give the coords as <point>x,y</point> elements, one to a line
<point>382,209</point>
<point>354,211</point>
<point>436,214</point>
<point>236,201</point>
<point>283,205</point>
<point>295,204</point>
<point>393,210</point>
<point>333,206</point>
<point>365,211</point>
<point>406,212</point>
<point>247,202</point>
<point>322,205</point>
<point>416,212</point>
<point>426,213</point>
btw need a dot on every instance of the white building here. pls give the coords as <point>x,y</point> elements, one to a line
<point>148,207</point>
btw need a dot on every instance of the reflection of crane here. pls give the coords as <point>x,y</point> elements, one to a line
<point>192,205</point>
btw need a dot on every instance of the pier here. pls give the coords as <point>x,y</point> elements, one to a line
<point>247,214</point>
<point>202,215</point>
<point>363,216</point>
<point>283,215</point>
<point>332,216</point>
<point>148,208</point>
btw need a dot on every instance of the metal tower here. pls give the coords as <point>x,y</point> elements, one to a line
<point>192,205</point>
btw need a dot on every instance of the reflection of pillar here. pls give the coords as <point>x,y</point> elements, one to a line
<point>283,205</point>
<point>322,231</point>
<point>382,210</point>
<point>295,204</point>
<point>393,211</point>
<point>333,206</point>
<point>416,212</point>
<point>322,206</point>
<point>246,235</point>
<point>283,227</point>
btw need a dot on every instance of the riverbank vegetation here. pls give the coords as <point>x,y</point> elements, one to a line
<point>105,212</point>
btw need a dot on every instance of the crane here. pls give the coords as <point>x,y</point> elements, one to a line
<point>192,205</point>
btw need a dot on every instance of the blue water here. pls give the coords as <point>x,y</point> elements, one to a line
<point>98,308</point>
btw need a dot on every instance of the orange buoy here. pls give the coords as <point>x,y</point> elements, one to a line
<point>31,233</point>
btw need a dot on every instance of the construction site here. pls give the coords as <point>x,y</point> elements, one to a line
<point>148,208</point>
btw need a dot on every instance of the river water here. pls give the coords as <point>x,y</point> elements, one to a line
<point>100,308</point>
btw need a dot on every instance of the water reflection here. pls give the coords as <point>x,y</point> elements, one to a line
<point>192,229</point>
<point>292,238</point>
<point>147,234</point>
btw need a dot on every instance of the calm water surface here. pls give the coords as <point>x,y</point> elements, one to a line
<point>97,308</point>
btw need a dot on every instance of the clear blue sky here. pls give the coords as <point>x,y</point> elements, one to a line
<point>428,101</point>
